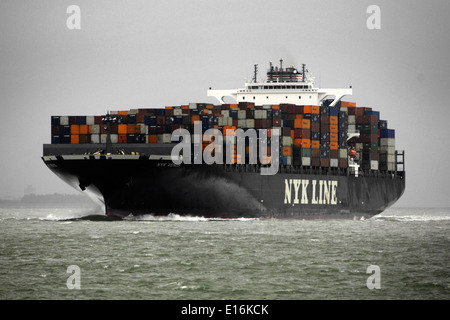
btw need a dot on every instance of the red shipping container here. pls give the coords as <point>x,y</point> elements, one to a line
<point>152,138</point>
<point>122,138</point>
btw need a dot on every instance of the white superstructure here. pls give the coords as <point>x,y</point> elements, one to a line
<point>287,85</point>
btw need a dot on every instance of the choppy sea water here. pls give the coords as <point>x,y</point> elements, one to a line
<point>196,258</point>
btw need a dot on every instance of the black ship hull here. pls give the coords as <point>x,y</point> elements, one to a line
<point>140,184</point>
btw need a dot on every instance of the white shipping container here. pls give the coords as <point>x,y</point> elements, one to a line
<point>267,106</point>
<point>95,138</point>
<point>374,164</point>
<point>343,153</point>
<point>90,120</point>
<point>95,129</point>
<point>143,128</point>
<point>334,162</point>
<point>225,113</point>
<point>221,120</point>
<point>388,150</point>
<point>64,120</point>
<point>287,141</point>
<point>242,123</point>
<point>177,112</point>
<point>306,161</point>
<point>260,114</point>
<point>242,114</point>
<point>288,160</point>
<point>133,111</point>
<point>387,142</point>
<point>390,166</point>
<point>102,138</point>
<point>386,157</point>
<point>230,122</point>
<point>351,127</point>
<point>276,129</point>
<point>114,138</point>
<point>192,106</point>
<point>250,123</point>
<point>351,119</point>
<point>164,138</point>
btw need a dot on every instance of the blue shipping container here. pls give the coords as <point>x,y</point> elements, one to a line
<point>55,120</point>
<point>387,133</point>
<point>56,139</point>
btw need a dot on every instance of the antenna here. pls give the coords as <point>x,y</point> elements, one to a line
<point>303,72</point>
<point>255,73</point>
<point>281,64</point>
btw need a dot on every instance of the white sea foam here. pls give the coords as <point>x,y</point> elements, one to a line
<point>177,217</point>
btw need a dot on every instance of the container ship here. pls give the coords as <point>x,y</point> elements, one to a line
<point>332,159</point>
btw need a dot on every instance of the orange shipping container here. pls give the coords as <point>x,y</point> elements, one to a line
<point>122,129</point>
<point>334,137</point>
<point>75,129</point>
<point>315,144</point>
<point>275,106</point>
<point>298,123</point>
<point>123,113</point>
<point>352,104</point>
<point>122,138</point>
<point>84,129</point>
<point>169,108</point>
<point>344,103</point>
<point>225,128</point>
<point>297,143</point>
<point>74,139</point>
<point>333,120</point>
<point>334,146</point>
<point>306,124</point>
<point>334,128</point>
<point>194,118</point>
<point>307,109</point>
<point>315,109</point>
<point>233,106</point>
<point>306,143</point>
<point>286,151</point>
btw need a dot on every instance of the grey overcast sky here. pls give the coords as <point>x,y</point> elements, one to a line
<point>144,54</point>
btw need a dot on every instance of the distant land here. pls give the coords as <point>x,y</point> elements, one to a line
<point>49,200</point>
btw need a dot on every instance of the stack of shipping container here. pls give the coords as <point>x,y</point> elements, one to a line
<point>310,136</point>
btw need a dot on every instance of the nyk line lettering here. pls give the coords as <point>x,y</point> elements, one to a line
<point>305,191</point>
